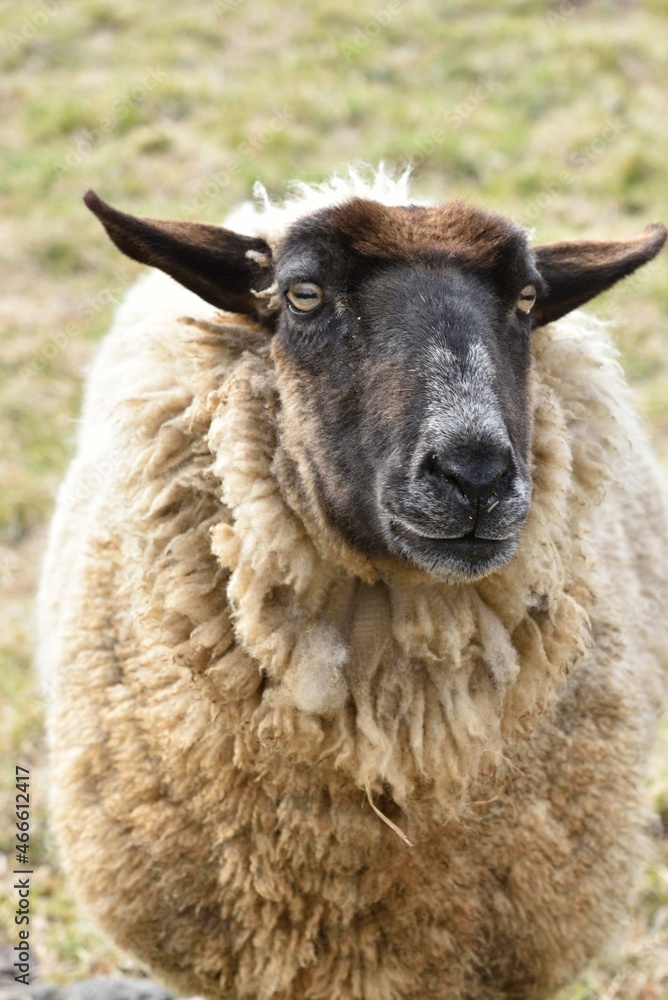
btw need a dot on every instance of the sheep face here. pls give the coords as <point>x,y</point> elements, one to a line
<point>401,342</point>
<point>403,361</point>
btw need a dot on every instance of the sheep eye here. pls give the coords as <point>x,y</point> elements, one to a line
<point>305,296</point>
<point>527,298</point>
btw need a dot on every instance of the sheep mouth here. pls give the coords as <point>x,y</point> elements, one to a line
<point>465,556</point>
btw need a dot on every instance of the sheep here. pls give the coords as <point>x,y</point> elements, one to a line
<point>348,605</point>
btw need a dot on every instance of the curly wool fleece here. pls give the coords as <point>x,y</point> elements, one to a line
<point>230,680</point>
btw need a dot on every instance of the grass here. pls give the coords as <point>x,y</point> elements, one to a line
<point>551,112</point>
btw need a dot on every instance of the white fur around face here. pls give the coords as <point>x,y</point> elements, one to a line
<point>270,219</point>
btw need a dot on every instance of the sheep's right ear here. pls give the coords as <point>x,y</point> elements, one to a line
<point>578,270</point>
<point>222,267</point>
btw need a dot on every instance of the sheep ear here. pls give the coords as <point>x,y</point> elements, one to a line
<point>577,271</point>
<point>222,267</point>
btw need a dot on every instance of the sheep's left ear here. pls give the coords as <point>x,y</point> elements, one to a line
<point>222,267</point>
<point>577,271</point>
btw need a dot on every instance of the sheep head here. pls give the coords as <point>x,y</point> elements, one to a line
<point>401,339</point>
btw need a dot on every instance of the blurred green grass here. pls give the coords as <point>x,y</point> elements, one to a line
<point>551,112</point>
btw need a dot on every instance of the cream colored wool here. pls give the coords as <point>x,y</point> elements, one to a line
<point>230,678</point>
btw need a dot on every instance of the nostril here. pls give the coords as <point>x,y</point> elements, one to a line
<point>431,465</point>
<point>434,466</point>
<point>498,482</point>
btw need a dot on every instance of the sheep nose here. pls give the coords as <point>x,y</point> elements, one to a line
<point>476,480</point>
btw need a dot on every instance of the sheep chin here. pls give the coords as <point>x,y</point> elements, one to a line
<point>455,560</point>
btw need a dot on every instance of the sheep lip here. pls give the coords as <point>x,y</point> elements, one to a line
<point>462,559</point>
<point>404,528</point>
<point>410,531</point>
<point>464,547</point>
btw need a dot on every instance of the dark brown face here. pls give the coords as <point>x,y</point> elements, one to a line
<point>401,339</point>
<point>405,385</point>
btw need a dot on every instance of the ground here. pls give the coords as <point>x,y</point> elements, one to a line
<point>551,113</point>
